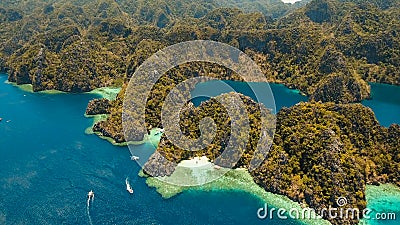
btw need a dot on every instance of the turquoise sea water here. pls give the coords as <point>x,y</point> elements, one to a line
<point>383,199</point>
<point>48,165</point>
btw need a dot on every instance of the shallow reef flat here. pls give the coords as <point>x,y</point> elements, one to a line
<point>109,93</point>
<point>29,88</point>
<point>385,197</point>
<point>237,180</point>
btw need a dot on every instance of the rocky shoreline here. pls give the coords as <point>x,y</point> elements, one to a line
<point>98,106</point>
<point>328,49</point>
<point>321,151</point>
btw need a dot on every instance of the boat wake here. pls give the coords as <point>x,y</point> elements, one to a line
<point>88,212</point>
<point>89,200</point>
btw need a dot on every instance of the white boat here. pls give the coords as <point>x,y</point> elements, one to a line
<point>135,158</point>
<point>91,195</point>
<point>159,132</point>
<point>128,186</point>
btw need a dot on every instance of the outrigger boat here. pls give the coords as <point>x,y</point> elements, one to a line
<point>90,195</point>
<point>128,186</point>
<point>159,132</point>
<point>134,158</point>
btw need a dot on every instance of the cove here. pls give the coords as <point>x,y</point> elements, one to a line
<point>385,103</point>
<point>48,164</point>
<point>260,92</point>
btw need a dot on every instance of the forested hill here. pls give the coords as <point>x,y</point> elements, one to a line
<point>155,10</point>
<point>329,49</point>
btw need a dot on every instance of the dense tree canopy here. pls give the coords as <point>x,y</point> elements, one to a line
<point>357,38</point>
<point>328,49</point>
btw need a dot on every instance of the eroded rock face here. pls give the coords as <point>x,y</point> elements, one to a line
<point>98,106</point>
<point>393,141</point>
<point>3,68</point>
<point>109,131</point>
<point>340,88</point>
<point>319,11</point>
<point>21,76</point>
<point>333,61</point>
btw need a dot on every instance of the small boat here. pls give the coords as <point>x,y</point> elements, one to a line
<point>134,158</point>
<point>90,195</point>
<point>1,119</point>
<point>159,132</point>
<point>128,186</point>
<point>217,167</point>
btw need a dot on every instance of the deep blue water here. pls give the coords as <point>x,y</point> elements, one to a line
<point>48,165</point>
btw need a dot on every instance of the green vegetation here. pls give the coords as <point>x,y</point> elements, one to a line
<point>112,127</point>
<point>321,151</point>
<point>328,49</point>
<point>325,151</point>
<point>189,124</point>
<point>78,46</point>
